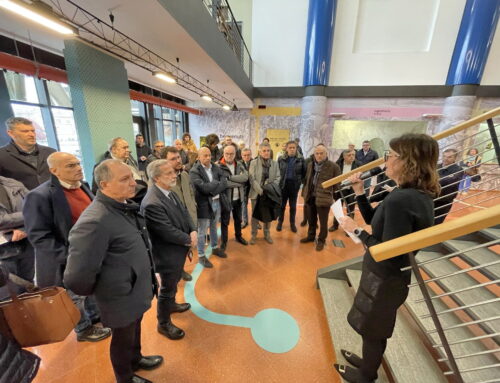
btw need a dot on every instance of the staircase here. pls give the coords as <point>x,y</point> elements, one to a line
<point>465,273</point>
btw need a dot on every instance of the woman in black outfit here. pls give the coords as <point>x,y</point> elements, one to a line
<point>411,163</point>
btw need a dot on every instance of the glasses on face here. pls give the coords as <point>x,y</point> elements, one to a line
<point>387,155</point>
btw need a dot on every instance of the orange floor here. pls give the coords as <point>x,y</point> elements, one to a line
<point>253,278</point>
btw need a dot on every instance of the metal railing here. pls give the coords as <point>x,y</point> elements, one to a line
<point>231,30</point>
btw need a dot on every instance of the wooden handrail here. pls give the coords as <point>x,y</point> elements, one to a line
<point>437,234</point>
<point>448,132</point>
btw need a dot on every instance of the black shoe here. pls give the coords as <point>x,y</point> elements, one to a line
<point>149,362</point>
<point>219,252</point>
<point>279,226</point>
<point>303,223</point>
<point>223,246</point>
<point>179,307</point>
<point>320,245</point>
<point>205,262</point>
<point>351,375</point>
<point>242,240</point>
<point>245,224</point>
<point>293,228</point>
<point>353,359</point>
<point>307,239</point>
<point>94,334</point>
<point>186,276</point>
<point>138,379</point>
<point>333,228</point>
<point>171,331</point>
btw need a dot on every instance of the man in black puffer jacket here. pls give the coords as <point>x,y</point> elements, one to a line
<point>16,365</point>
<point>292,174</point>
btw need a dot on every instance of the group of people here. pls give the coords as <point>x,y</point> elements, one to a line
<point>106,243</point>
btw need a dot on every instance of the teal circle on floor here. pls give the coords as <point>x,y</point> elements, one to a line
<point>275,330</point>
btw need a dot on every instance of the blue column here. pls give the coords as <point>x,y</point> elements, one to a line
<point>473,44</point>
<point>319,42</point>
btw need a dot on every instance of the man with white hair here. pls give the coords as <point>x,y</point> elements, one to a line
<point>50,211</point>
<point>173,235</point>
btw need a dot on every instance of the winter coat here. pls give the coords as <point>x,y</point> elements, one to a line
<point>300,170</point>
<point>384,287</point>
<point>238,180</point>
<point>255,176</point>
<point>371,155</point>
<point>13,164</point>
<point>110,258</point>
<point>323,197</point>
<point>206,189</point>
<point>185,191</point>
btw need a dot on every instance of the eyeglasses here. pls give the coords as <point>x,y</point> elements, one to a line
<point>387,155</point>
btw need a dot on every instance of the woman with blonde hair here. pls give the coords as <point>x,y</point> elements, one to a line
<point>411,163</point>
<point>188,144</point>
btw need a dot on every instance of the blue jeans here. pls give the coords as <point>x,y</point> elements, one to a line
<point>204,224</point>
<point>88,310</point>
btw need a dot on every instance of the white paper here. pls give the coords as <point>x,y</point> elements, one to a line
<point>3,239</point>
<point>338,212</point>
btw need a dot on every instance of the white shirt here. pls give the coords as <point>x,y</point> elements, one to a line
<point>347,168</point>
<point>210,177</point>
<point>167,194</point>
<point>68,186</point>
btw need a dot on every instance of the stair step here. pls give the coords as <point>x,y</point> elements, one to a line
<point>460,281</point>
<point>491,232</point>
<point>448,320</point>
<point>477,257</point>
<point>337,300</point>
<point>406,355</point>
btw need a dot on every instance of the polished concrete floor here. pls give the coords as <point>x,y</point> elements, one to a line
<point>253,278</point>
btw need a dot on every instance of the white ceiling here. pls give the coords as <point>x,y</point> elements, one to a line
<point>148,23</point>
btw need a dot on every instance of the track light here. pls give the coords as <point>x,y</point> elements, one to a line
<point>38,14</point>
<point>206,97</point>
<point>226,107</point>
<point>165,76</point>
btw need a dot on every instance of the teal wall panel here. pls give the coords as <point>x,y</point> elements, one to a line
<point>101,102</point>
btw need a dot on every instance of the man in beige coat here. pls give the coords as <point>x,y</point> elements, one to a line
<point>182,188</point>
<point>263,170</point>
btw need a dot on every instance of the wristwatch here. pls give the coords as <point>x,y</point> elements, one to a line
<point>357,231</point>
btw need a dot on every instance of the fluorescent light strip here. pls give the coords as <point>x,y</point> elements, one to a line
<point>206,98</point>
<point>24,11</point>
<point>167,77</point>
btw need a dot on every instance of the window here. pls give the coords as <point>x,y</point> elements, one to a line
<point>67,135</point>
<point>21,87</point>
<point>169,123</point>
<point>59,94</point>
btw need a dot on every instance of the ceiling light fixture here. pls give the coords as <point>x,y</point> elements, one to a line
<point>165,76</point>
<point>226,107</point>
<point>206,97</point>
<point>39,16</point>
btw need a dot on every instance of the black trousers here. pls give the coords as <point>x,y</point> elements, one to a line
<point>22,265</point>
<point>373,351</point>
<point>289,193</point>
<point>125,350</point>
<point>166,297</point>
<point>315,212</point>
<point>226,217</point>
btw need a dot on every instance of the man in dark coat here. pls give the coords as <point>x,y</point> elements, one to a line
<point>23,159</point>
<point>237,177</point>
<point>110,257</point>
<point>143,152</point>
<point>212,142</point>
<point>450,175</point>
<point>346,163</point>
<point>173,234</point>
<point>16,252</point>
<point>364,156</point>
<point>318,199</point>
<point>51,210</point>
<point>292,174</point>
<point>246,158</point>
<point>209,184</point>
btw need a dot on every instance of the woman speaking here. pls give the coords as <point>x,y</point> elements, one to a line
<point>411,163</point>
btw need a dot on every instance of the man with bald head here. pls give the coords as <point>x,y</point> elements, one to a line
<point>50,211</point>
<point>110,257</point>
<point>209,184</point>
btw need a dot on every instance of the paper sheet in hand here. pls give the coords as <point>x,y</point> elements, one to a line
<point>338,213</point>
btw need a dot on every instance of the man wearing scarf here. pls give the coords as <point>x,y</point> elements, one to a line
<point>318,200</point>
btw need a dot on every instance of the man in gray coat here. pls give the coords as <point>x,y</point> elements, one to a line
<point>16,252</point>
<point>263,170</point>
<point>110,257</point>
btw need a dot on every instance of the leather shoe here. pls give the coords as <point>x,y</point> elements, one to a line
<point>303,223</point>
<point>219,252</point>
<point>333,228</point>
<point>205,262</point>
<point>242,240</point>
<point>171,331</point>
<point>279,226</point>
<point>293,228</point>
<point>320,246</point>
<point>186,276</point>
<point>179,307</point>
<point>307,239</point>
<point>149,362</point>
<point>139,379</point>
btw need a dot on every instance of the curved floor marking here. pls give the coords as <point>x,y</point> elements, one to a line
<point>274,330</point>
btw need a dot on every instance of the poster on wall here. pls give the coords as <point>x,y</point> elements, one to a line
<point>277,137</point>
<point>203,141</point>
